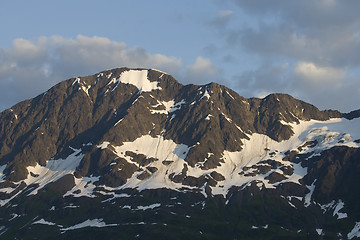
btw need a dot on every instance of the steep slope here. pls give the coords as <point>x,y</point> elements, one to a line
<point>132,137</point>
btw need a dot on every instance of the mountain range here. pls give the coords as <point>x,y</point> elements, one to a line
<point>132,153</point>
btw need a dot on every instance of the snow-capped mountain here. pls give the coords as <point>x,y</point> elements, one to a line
<point>133,153</point>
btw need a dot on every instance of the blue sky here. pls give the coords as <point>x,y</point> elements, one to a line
<point>309,49</point>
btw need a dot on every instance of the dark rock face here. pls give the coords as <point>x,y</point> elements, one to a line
<point>275,177</point>
<point>164,157</point>
<point>277,107</point>
<point>336,172</point>
<point>89,107</point>
<point>62,185</point>
<point>351,115</point>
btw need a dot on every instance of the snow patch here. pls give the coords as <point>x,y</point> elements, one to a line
<point>139,79</point>
<point>103,145</point>
<point>84,187</point>
<point>206,94</point>
<point>121,195</point>
<point>227,118</point>
<point>245,102</point>
<point>355,232</point>
<point>118,121</point>
<point>86,89</point>
<point>319,231</point>
<point>14,215</point>
<point>158,148</point>
<point>230,95</point>
<point>7,190</point>
<point>76,81</point>
<point>2,168</point>
<point>336,208</point>
<point>114,81</point>
<point>239,128</point>
<point>44,222</point>
<point>308,196</point>
<point>16,117</point>
<point>81,86</point>
<point>152,206</point>
<point>98,222</point>
<point>177,106</point>
<point>71,206</point>
<point>54,170</point>
<point>168,105</point>
<point>334,132</point>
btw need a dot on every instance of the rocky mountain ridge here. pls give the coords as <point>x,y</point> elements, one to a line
<point>123,130</point>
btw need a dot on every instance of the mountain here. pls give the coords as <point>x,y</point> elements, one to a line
<point>132,153</point>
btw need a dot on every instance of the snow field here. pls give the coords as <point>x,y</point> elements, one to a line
<point>327,134</point>
<point>54,170</point>
<point>334,132</point>
<point>139,79</point>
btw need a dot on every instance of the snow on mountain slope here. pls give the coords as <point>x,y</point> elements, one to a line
<point>139,79</point>
<point>168,107</point>
<point>84,187</point>
<point>53,170</point>
<point>2,168</point>
<point>39,176</point>
<point>355,232</point>
<point>170,167</point>
<point>135,147</point>
<point>161,149</point>
<point>89,223</point>
<point>237,168</point>
<point>335,132</point>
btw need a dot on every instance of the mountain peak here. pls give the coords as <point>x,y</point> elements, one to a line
<point>145,80</point>
<point>138,78</point>
<point>124,131</point>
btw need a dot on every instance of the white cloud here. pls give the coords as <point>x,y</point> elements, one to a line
<point>323,86</point>
<point>202,71</point>
<point>202,64</point>
<point>324,32</point>
<point>320,43</point>
<point>319,75</point>
<point>22,46</point>
<point>29,68</point>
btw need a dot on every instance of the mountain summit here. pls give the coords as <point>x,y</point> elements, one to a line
<point>133,153</point>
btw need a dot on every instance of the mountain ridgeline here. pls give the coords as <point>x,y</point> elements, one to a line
<point>136,140</point>
<point>87,109</point>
